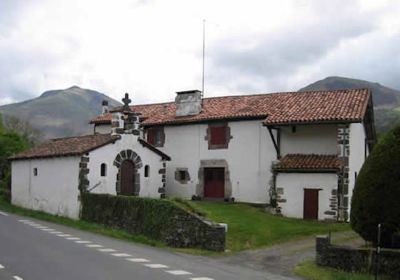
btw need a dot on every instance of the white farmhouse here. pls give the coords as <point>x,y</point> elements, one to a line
<point>49,177</point>
<point>298,151</point>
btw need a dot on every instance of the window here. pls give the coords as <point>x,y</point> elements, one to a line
<point>146,171</point>
<point>103,170</point>
<point>218,136</point>
<point>156,136</point>
<point>182,175</point>
<point>35,171</point>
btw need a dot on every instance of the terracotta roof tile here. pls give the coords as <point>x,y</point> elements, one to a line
<point>319,106</point>
<point>308,162</point>
<point>275,108</point>
<point>70,146</point>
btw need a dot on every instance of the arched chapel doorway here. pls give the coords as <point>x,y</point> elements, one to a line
<point>127,177</point>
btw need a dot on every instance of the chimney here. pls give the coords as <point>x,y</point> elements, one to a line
<point>188,103</point>
<point>104,106</point>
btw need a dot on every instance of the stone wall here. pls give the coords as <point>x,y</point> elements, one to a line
<point>188,230</point>
<point>357,259</point>
<point>342,196</point>
<point>157,219</point>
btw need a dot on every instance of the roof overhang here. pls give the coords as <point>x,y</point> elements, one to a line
<point>315,122</point>
<point>288,170</point>
<point>154,149</point>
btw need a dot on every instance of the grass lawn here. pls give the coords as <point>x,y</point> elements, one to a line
<point>311,271</point>
<point>250,227</point>
<point>78,224</point>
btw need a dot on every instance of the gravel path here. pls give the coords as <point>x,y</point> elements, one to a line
<point>282,258</point>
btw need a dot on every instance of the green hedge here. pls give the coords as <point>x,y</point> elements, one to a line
<point>138,215</point>
<point>158,219</point>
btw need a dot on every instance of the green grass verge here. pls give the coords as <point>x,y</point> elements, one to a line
<point>78,224</point>
<point>250,227</point>
<point>311,271</point>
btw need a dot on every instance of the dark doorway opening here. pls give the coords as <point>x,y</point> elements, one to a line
<point>128,172</point>
<point>214,182</point>
<point>311,204</point>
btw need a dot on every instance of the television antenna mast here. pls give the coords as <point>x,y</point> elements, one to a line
<point>204,48</point>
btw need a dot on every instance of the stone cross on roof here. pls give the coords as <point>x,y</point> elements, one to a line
<point>126,101</point>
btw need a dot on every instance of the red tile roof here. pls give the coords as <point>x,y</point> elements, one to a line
<point>275,108</point>
<point>308,162</point>
<point>70,146</point>
<point>319,106</point>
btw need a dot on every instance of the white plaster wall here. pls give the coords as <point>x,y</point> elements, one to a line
<point>294,185</point>
<point>357,153</point>
<point>249,156</point>
<point>309,139</point>
<point>106,154</point>
<point>54,190</point>
<point>102,128</point>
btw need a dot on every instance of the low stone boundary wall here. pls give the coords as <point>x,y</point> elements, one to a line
<point>157,219</point>
<point>357,259</point>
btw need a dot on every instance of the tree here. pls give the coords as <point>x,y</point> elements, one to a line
<point>376,196</point>
<point>10,143</point>
<point>23,128</point>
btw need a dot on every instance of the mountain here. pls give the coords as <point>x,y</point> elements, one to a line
<point>67,112</point>
<point>386,100</point>
<point>383,97</point>
<point>60,113</point>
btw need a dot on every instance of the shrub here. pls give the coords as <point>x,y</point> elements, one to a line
<point>377,191</point>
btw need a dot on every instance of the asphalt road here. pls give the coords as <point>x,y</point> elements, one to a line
<point>37,250</point>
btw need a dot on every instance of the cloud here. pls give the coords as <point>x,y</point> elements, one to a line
<point>377,62</point>
<point>153,48</point>
<point>279,54</point>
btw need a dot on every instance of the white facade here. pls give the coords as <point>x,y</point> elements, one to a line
<point>294,184</point>
<point>250,156</point>
<point>358,153</point>
<point>53,190</point>
<point>247,159</point>
<point>52,184</point>
<point>107,184</point>
<point>247,162</point>
<point>102,129</point>
<point>309,139</point>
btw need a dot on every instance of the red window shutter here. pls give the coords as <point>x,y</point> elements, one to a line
<point>155,136</point>
<point>218,135</point>
<point>151,136</point>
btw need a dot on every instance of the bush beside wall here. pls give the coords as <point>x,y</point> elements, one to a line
<point>357,259</point>
<point>158,219</point>
<point>376,193</point>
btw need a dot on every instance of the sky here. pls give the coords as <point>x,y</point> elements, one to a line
<point>153,48</point>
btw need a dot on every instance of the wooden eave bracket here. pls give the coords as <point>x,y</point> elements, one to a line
<point>274,141</point>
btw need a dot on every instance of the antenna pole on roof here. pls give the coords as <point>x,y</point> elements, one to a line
<point>204,48</point>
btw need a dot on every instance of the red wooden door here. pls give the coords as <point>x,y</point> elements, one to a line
<point>127,177</point>
<point>310,204</point>
<point>214,182</point>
